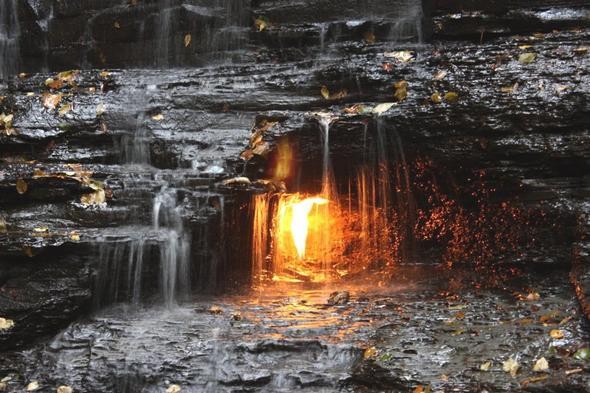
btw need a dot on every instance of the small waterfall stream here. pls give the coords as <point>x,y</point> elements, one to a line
<point>9,38</point>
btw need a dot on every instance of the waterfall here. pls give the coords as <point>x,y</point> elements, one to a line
<point>166,243</point>
<point>175,248</point>
<point>135,148</point>
<point>260,234</point>
<point>9,38</point>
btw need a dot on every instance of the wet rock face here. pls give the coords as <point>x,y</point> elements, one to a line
<point>518,131</point>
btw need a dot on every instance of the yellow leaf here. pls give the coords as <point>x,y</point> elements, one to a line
<point>65,389</point>
<point>526,58</point>
<point>95,198</point>
<point>401,90</point>
<point>557,334</point>
<point>3,225</point>
<point>40,229</point>
<point>451,96</point>
<point>53,83</point>
<point>370,353</point>
<point>486,366</point>
<point>436,98</point>
<point>340,95</point>
<point>51,101</point>
<point>32,386</point>
<point>215,310</point>
<point>261,23</point>
<point>524,47</point>
<point>325,92</point>
<point>74,236</point>
<point>64,109</point>
<point>30,94</point>
<point>511,366</point>
<point>187,40</point>
<point>541,365</point>
<point>21,186</point>
<point>173,389</point>
<point>6,324</point>
<point>158,117</point>
<point>104,74</point>
<point>404,56</point>
<point>382,108</point>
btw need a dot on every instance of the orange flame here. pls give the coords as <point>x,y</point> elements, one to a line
<point>300,222</point>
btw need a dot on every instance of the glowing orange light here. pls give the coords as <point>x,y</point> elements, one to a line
<point>300,222</point>
<point>284,158</point>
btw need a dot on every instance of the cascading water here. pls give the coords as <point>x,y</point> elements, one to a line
<point>175,248</point>
<point>359,220</point>
<point>9,38</point>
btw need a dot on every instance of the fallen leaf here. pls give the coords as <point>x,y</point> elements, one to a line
<point>582,50</point>
<point>401,90</point>
<point>382,108</point>
<point>541,365</point>
<point>3,225</point>
<point>32,386</point>
<point>40,229</point>
<point>104,74</point>
<point>436,98</point>
<point>533,296</point>
<point>100,109</point>
<point>54,83</point>
<point>158,117</point>
<point>51,101</point>
<point>6,324</point>
<point>187,40</point>
<point>509,90</point>
<point>117,25</point>
<point>524,47</point>
<point>565,320</point>
<point>74,236</point>
<point>65,389</point>
<point>21,186</point>
<point>262,149</point>
<point>94,198</point>
<point>418,389</point>
<point>486,366</point>
<point>440,75</point>
<point>582,354</point>
<point>370,353</point>
<point>557,334</point>
<point>511,366</point>
<point>173,389</point>
<point>403,56</point>
<point>357,109</point>
<point>527,58</point>
<point>64,109</point>
<point>261,23</point>
<point>215,310</point>
<point>574,371</point>
<point>451,96</point>
<point>325,92</point>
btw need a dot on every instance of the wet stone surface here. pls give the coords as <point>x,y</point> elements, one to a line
<point>430,327</point>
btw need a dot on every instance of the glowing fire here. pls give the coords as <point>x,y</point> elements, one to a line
<point>300,222</point>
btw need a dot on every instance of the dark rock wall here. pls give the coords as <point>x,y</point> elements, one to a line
<point>511,154</point>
